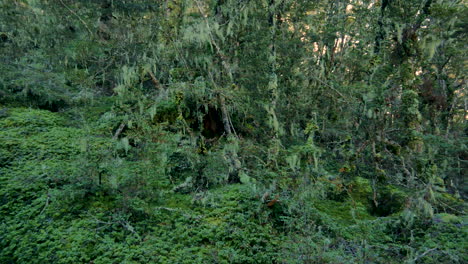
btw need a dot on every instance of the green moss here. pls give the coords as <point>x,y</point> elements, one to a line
<point>53,142</point>
<point>390,200</point>
<point>448,203</point>
<point>223,224</point>
<point>447,218</point>
<point>361,190</point>
<point>166,111</point>
<point>177,201</point>
<point>214,221</point>
<point>27,118</point>
<point>28,135</point>
<point>346,213</point>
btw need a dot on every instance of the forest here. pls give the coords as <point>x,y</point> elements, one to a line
<point>233,131</point>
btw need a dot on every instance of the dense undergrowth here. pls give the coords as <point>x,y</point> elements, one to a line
<point>55,210</point>
<point>233,131</point>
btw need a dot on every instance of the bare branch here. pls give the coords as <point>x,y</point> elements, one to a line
<point>119,131</point>
<point>424,254</point>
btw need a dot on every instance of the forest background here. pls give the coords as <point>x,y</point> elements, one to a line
<point>233,131</point>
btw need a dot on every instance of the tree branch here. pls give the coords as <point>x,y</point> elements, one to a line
<point>77,16</point>
<point>424,254</point>
<point>154,80</point>
<point>119,131</point>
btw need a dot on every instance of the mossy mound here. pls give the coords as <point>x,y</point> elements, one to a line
<point>30,119</point>
<point>346,213</point>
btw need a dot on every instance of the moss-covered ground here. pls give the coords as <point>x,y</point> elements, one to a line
<point>71,194</point>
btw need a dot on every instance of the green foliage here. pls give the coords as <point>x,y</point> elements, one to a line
<point>225,131</point>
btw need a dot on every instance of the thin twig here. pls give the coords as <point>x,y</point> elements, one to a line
<point>119,131</point>
<point>424,254</point>
<point>232,126</point>
<point>329,86</point>
<point>46,204</point>
<point>154,80</point>
<point>81,20</point>
<point>374,190</point>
